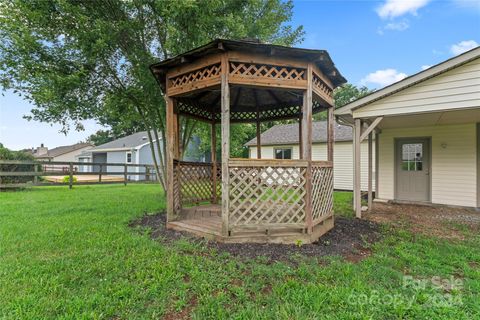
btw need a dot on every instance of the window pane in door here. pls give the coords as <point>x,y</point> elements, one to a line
<point>412,157</point>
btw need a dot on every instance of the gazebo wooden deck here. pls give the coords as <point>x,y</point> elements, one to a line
<point>249,200</point>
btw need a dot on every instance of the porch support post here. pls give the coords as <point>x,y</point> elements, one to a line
<point>330,133</point>
<point>357,201</point>
<point>307,146</point>
<point>213,152</point>
<point>171,123</point>
<point>225,122</point>
<point>377,140</point>
<point>370,170</point>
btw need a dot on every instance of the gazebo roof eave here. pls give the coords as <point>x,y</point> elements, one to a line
<point>320,57</point>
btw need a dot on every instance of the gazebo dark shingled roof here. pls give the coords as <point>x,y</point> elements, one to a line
<point>320,57</point>
<point>249,103</point>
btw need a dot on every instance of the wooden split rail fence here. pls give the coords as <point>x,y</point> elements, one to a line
<point>20,173</point>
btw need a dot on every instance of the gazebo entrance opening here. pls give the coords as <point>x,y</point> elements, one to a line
<point>249,200</point>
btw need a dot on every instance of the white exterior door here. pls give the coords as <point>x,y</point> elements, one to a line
<point>412,179</point>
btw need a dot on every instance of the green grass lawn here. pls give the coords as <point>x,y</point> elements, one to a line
<point>70,254</point>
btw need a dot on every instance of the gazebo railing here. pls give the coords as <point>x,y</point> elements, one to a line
<point>194,183</point>
<point>263,194</point>
<point>266,194</point>
<point>322,190</point>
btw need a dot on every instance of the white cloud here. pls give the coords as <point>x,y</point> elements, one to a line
<point>467,4</point>
<point>383,77</point>
<point>396,8</point>
<point>394,26</point>
<point>426,66</point>
<point>398,26</point>
<point>463,46</point>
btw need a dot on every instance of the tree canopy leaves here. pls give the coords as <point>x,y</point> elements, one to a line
<point>83,59</point>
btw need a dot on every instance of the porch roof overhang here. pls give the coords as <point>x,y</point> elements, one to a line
<point>353,110</point>
<point>427,119</point>
<point>423,119</point>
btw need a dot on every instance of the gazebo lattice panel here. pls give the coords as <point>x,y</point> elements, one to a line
<point>265,115</point>
<point>322,192</point>
<point>245,69</point>
<point>321,85</point>
<point>194,182</point>
<point>194,110</point>
<point>204,73</point>
<point>177,202</point>
<point>267,196</point>
<point>219,181</point>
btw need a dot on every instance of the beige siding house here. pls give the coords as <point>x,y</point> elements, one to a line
<point>285,137</point>
<point>427,129</point>
<point>62,154</point>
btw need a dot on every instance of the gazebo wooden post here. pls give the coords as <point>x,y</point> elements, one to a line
<point>300,144</point>
<point>178,145</point>
<point>259,141</point>
<point>307,146</point>
<point>171,142</point>
<point>213,152</point>
<point>225,123</point>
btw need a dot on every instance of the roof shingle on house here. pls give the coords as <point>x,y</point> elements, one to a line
<point>58,151</point>
<point>131,141</point>
<point>281,134</point>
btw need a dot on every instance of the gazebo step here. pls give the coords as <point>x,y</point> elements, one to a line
<point>211,229</point>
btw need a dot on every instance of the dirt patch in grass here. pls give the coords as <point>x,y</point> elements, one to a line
<point>183,314</point>
<point>443,222</point>
<point>350,238</point>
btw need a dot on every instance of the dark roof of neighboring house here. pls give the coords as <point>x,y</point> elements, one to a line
<point>131,141</point>
<point>58,151</point>
<point>288,134</point>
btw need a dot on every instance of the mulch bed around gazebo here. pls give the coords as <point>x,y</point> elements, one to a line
<point>350,238</point>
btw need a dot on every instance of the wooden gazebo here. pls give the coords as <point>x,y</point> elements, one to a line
<point>249,200</point>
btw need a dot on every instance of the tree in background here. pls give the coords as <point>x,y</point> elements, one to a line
<point>101,137</point>
<point>7,154</point>
<point>342,96</point>
<point>78,60</point>
<point>348,93</point>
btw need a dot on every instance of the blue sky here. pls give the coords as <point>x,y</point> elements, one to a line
<point>372,43</point>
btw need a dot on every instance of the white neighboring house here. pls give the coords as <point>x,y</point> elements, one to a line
<point>428,137</point>
<point>132,149</point>
<point>281,142</point>
<point>62,153</point>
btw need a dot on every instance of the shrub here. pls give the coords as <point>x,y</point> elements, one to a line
<point>66,179</point>
<point>6,154</point>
